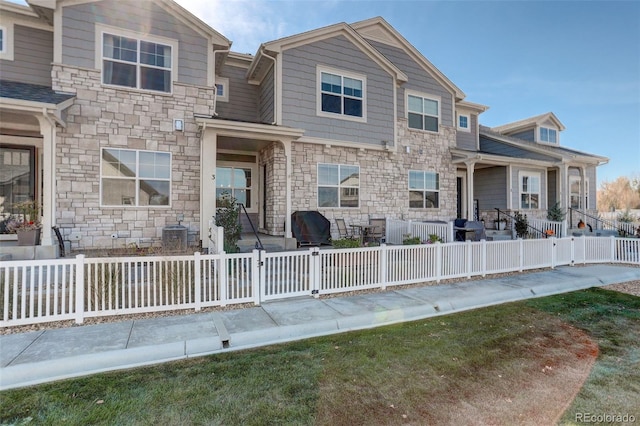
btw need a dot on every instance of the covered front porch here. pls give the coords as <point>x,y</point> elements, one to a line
<point>30,115</point>
<point>251,162</point>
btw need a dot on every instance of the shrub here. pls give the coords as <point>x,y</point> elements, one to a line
<point>626,217</point>
<point>555,213</point>
<point>411,241</point>
<point>346,243</point>
<point>521,225</point>
<point>227,212</point>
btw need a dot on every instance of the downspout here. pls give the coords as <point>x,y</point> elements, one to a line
<point>215,91</point>
<point>275,88</point>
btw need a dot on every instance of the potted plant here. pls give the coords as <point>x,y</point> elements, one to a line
<point>27,225</point>
<point>501,224</point>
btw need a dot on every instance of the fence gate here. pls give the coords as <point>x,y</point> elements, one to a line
<point>286,274</point>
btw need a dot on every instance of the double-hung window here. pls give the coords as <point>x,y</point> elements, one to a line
<point>135,178</point>
<point>423,112</point>
<point>529,190</point>
<point>341,94</point>
<point>424,190</point>
<point>235,182</point>
<point>548,135</point>
<point>338,185</point>
<point>137,63</point>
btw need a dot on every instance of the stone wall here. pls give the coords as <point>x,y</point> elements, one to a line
<point>129,119</point>
<point>383,176</point>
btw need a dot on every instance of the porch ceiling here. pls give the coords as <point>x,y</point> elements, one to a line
<point>241,144</point>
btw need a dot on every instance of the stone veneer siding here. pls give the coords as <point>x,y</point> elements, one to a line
<point>383,176</point>
<point>128,119</point>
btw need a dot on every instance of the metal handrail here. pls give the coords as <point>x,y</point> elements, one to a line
<point>259,245</point>
<point>623,232</point>
<point>514,219</point>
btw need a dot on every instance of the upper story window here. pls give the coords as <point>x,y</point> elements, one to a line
<point>222,89</point>
<point>6,40</point>
<point>464,122</point>
<point>129,60</point>
<point>338,185</point>
<point>423,112</point>
<point>135,178</point>
<point>341,94</point>
<point>529,190</point>
<point>548,135</point>
<point>424,189</point>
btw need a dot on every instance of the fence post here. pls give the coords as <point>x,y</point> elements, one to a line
<point>79,289</point>
<point>573,251</point>
<point>257,276</point>
<point>468,253</point>
<point>520,254</point>
<point>438,262</point>
<point>383,252</point>
<point>197,280</point>
<point>450,235</point>
<point>613,249</point>
<point>314,273</point>
<point>483,260</point>
<point>223,277</point>
<point>554,251</point>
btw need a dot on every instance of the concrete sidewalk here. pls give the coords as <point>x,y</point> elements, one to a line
<point>44,356</point>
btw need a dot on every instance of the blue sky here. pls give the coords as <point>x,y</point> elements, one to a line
<point>577,59</point>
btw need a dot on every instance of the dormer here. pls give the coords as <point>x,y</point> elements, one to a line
<point>543,129</point>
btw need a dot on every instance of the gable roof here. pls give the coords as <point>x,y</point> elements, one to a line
<point>380,30</point>
<point>565,154</point>
<point>273,48</point>
<point>45,8</point>
<point>529,122</point>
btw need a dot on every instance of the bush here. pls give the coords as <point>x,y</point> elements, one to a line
<point>346,243</point>
<point>555,213</point>
<point>411,241</point>
<point>626,217</point>
<point>227,212</point>
<point>521,225</point>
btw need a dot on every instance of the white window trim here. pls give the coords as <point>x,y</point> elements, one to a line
<point>409,189</point>
<point>336,186</point>
<point>225,89</point>
<point>537,175</point>
<point>7,40</point>
<point>137,178</point>
<point>101,29</point>
<point>539,135</point>
<point>464,129</point>
<point>319,70</point>
<point>425,96</point>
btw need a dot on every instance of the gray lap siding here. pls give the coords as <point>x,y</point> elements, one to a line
<point>299,93</point>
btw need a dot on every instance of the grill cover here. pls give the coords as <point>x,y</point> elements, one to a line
<point>310,228</point>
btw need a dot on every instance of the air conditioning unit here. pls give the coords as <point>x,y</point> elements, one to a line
<point>174,238</point>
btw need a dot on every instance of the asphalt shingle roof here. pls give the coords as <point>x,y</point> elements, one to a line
<point>31,92</point>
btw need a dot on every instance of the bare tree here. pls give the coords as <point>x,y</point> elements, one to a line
<point>621,194</point>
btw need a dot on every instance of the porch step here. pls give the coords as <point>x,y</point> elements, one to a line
<point>494,235</point>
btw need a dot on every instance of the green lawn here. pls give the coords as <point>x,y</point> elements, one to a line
<point>418,372</point>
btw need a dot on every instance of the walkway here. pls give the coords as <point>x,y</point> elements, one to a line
<point>44,356</point>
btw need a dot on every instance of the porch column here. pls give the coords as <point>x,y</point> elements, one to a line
<point>563,177</point>
<point>287,219</point>
<point>48,132</point>
<point>208,150</point>
<point>470,189</point>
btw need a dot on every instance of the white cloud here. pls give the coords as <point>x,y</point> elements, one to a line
<point>246,23</point>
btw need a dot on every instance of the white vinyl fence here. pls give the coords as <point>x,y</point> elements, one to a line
<point>397,230</point>
<point>73,289</point>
